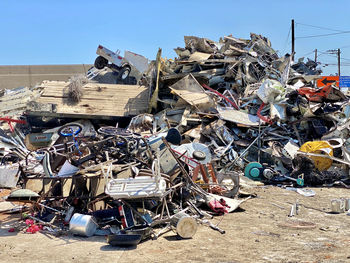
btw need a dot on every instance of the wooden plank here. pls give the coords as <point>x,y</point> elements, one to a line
<point>93,90</point>
<point>60,100</point>
<point>103,108</point>
<point>120,94</point>
<point>97,100</point>
<point>16,101</point>
<point>12,106</point>
<point>98,89</point>
<point>15,96</point>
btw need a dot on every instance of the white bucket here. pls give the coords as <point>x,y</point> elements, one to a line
<point>338,206</point>
<point>82,225</point>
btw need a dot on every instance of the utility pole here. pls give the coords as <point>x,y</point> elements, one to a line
<point>336,52</point>
<point>293,40</point>
<point>338,61</point>
<point>316,55</point>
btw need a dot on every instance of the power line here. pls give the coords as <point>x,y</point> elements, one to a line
<point>332,63</point>
<point>325,53</point>
<point>308,53</point>
<point>326,28</point>
<point>290,28</point>
<point>287,42</point>
<point>322,54</point>
<point>331,54</point>
<point>335,65</point>
<point>345,47</point>
<point>324,35</point>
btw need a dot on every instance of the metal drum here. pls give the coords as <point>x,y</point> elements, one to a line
<point>82,225</point>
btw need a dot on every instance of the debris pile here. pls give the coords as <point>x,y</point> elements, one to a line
<point>220,110</point>
<point>248,105</point>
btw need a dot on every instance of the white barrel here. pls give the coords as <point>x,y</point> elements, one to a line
<point>82,225</point>
<point>186,226</point>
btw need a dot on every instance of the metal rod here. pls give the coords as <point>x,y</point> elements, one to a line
<point>246,150</point>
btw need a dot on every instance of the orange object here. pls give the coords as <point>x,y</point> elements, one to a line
<point>208,172</point>
<point>328,81</point>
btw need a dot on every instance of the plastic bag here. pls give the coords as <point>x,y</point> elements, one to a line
<point>271,91</point>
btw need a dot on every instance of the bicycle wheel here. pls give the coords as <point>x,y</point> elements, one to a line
<point>70,130</point>
<point>109,130</point>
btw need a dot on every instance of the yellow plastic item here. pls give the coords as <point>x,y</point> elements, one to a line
<point>319,147</point>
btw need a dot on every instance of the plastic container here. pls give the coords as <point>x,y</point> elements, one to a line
<point>338,206</point>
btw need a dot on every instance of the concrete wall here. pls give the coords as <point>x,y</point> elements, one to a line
<point>29,75</point>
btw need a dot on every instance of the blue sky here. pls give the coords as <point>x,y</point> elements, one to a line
<point>69,31</point>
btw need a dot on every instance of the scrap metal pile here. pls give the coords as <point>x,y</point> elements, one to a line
<point>250,106</point>
<point>119,181</point>
<point>218,111</point>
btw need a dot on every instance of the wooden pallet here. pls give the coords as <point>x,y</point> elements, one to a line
<point>98,101</point>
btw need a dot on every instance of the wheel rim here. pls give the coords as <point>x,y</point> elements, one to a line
<point>125,74</point>
<point>199,155</point>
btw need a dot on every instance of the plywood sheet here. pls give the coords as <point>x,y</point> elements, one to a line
<point>15,102</point>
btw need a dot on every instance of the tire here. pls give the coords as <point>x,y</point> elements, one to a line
<point>124,72</point>
<point>100,62</point>
<point>199,155</point>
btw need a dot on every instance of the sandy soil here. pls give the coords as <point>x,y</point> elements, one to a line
<point>254,233</point>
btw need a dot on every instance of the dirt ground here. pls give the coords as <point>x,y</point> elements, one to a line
<point>257,232</point>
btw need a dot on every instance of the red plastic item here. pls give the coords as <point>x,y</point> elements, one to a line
<point>316,95</point>
<point>217,207</point>
<point>9,121</point>
<point>29,221</point>
<point>261,117</point>
<point>33,228</point>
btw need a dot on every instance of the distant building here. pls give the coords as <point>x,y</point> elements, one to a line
<point>29,75</point>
